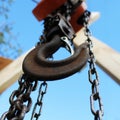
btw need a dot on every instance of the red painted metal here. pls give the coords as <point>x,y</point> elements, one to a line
<point>46,7</point>
<point>76,15</point>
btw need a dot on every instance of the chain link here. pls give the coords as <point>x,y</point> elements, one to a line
<point>93,75</point>
<point>20,100</point>
<point>38,105</point>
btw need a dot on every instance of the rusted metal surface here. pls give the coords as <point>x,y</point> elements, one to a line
<point>20,99</point>
<point>37,66</point>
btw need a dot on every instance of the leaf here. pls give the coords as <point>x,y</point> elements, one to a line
<point>7,28</point>
<point>2,38</point>
<point>10,1</point>
<point>19,51</point>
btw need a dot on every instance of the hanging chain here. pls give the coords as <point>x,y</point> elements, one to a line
<point>42,91</point>
<point>20,99</point>
<point>92,74</point>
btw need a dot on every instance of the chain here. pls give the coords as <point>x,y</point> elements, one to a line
<point>93,75</point>
<point>42,91</point>
<point>20,99</point>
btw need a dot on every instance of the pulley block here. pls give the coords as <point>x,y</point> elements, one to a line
<point>47,7</point>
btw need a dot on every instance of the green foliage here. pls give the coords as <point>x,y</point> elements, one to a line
<point>8,41</point>
<point>2,38</point>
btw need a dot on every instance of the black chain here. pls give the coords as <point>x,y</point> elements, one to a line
<point>92,74</point>
<point>20,100</point>
<point>42,91</point>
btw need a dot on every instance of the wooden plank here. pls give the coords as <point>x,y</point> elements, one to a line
<point>4,62</point>
<point>11,73</point>
<point>106,58</point>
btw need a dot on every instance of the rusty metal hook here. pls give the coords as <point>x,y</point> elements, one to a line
<point>37,66</point>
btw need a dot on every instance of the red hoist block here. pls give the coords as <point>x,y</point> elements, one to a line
<point>45,7</point>
<point>76,15</point>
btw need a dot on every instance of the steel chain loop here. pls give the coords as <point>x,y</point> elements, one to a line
<point>20,100</point>
<point>93,74</point>
<point>38,105</point>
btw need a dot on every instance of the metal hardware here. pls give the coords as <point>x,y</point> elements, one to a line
<point>38,67</point>
<point>66,27</point>
<point>75,1</point>
<point>42,91</point>
<point>94,80</point>
<point>20,99</point>
<point>93,75</point>
<point>68,45</point>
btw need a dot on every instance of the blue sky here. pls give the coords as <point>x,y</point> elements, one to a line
<point>69,98</point>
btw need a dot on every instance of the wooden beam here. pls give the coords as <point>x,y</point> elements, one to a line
<point>4,62</point>
<point>11,73</point>
<point>106,58</point>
